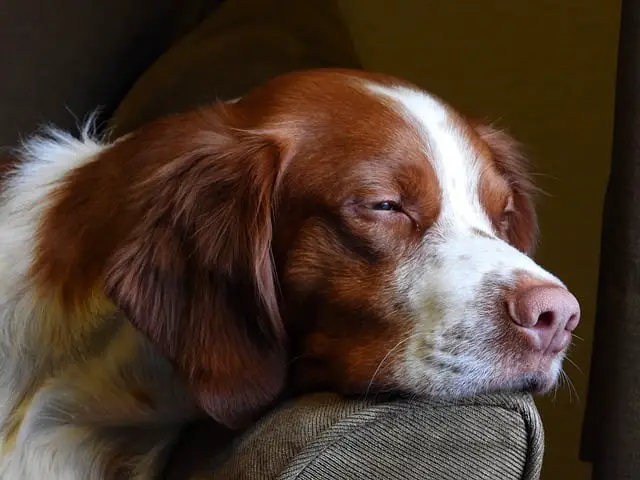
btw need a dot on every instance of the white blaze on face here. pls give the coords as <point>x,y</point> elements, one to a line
<point>462,267</point>
<point>452,158</point>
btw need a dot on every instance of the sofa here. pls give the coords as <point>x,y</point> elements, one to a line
<point>139,60</point>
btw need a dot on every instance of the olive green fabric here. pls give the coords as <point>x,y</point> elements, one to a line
<point>326,437</point>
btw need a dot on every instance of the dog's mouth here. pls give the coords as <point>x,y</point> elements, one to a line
<point>539,381</point>
<point>524,372</point>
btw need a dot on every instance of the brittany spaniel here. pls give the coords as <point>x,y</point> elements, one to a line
<point>332,229</point>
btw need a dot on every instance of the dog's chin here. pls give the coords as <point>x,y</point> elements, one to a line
<point>535,375</point>
<point>544,378</point>
<point>537,384</point>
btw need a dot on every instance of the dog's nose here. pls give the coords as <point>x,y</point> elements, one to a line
<point>548,314</point>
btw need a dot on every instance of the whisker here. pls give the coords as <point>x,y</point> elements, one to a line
<point>401,342</point>
<point>558,386</point>
<point>577,337</point>
<point>575,365</point>
<point>571,387</point>
<point>565,381</point>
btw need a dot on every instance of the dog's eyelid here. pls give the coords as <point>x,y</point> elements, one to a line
<point>387,206</point>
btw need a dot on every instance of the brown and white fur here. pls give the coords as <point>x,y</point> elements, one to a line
<point>330,230</point>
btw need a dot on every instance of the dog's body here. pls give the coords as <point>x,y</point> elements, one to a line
<point>344,220</point>
<point>82,393</point>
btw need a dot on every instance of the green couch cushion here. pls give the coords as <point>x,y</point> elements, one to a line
<point>324,436</point>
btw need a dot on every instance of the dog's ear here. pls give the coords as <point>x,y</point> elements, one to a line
<point>196,274</point>
<point>511,162</point>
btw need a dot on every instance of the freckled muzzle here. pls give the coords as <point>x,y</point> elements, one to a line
<point>492,313</point>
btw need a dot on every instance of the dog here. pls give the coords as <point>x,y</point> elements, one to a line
<point>332,229</point>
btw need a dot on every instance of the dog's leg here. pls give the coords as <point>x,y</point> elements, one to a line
<point>112,417</point>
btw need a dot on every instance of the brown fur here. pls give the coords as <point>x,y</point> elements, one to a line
<point>512,167</point>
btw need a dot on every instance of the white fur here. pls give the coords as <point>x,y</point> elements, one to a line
<point>44,163</point>
<point>461,267</point>
<point>56,410</point>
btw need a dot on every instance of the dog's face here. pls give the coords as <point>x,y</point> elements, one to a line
<point>401,240</point>
<point>332,229</point>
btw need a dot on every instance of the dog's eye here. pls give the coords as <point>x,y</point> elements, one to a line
<point>387,206</point>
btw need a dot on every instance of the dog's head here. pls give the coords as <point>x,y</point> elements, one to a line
<point>347,228</point>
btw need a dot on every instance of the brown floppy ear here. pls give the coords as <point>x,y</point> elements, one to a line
<point>506,152</point>
<point>196,274</point>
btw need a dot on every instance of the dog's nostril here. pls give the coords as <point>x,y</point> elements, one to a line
<point>573,322</point>
<point>545,320</point>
